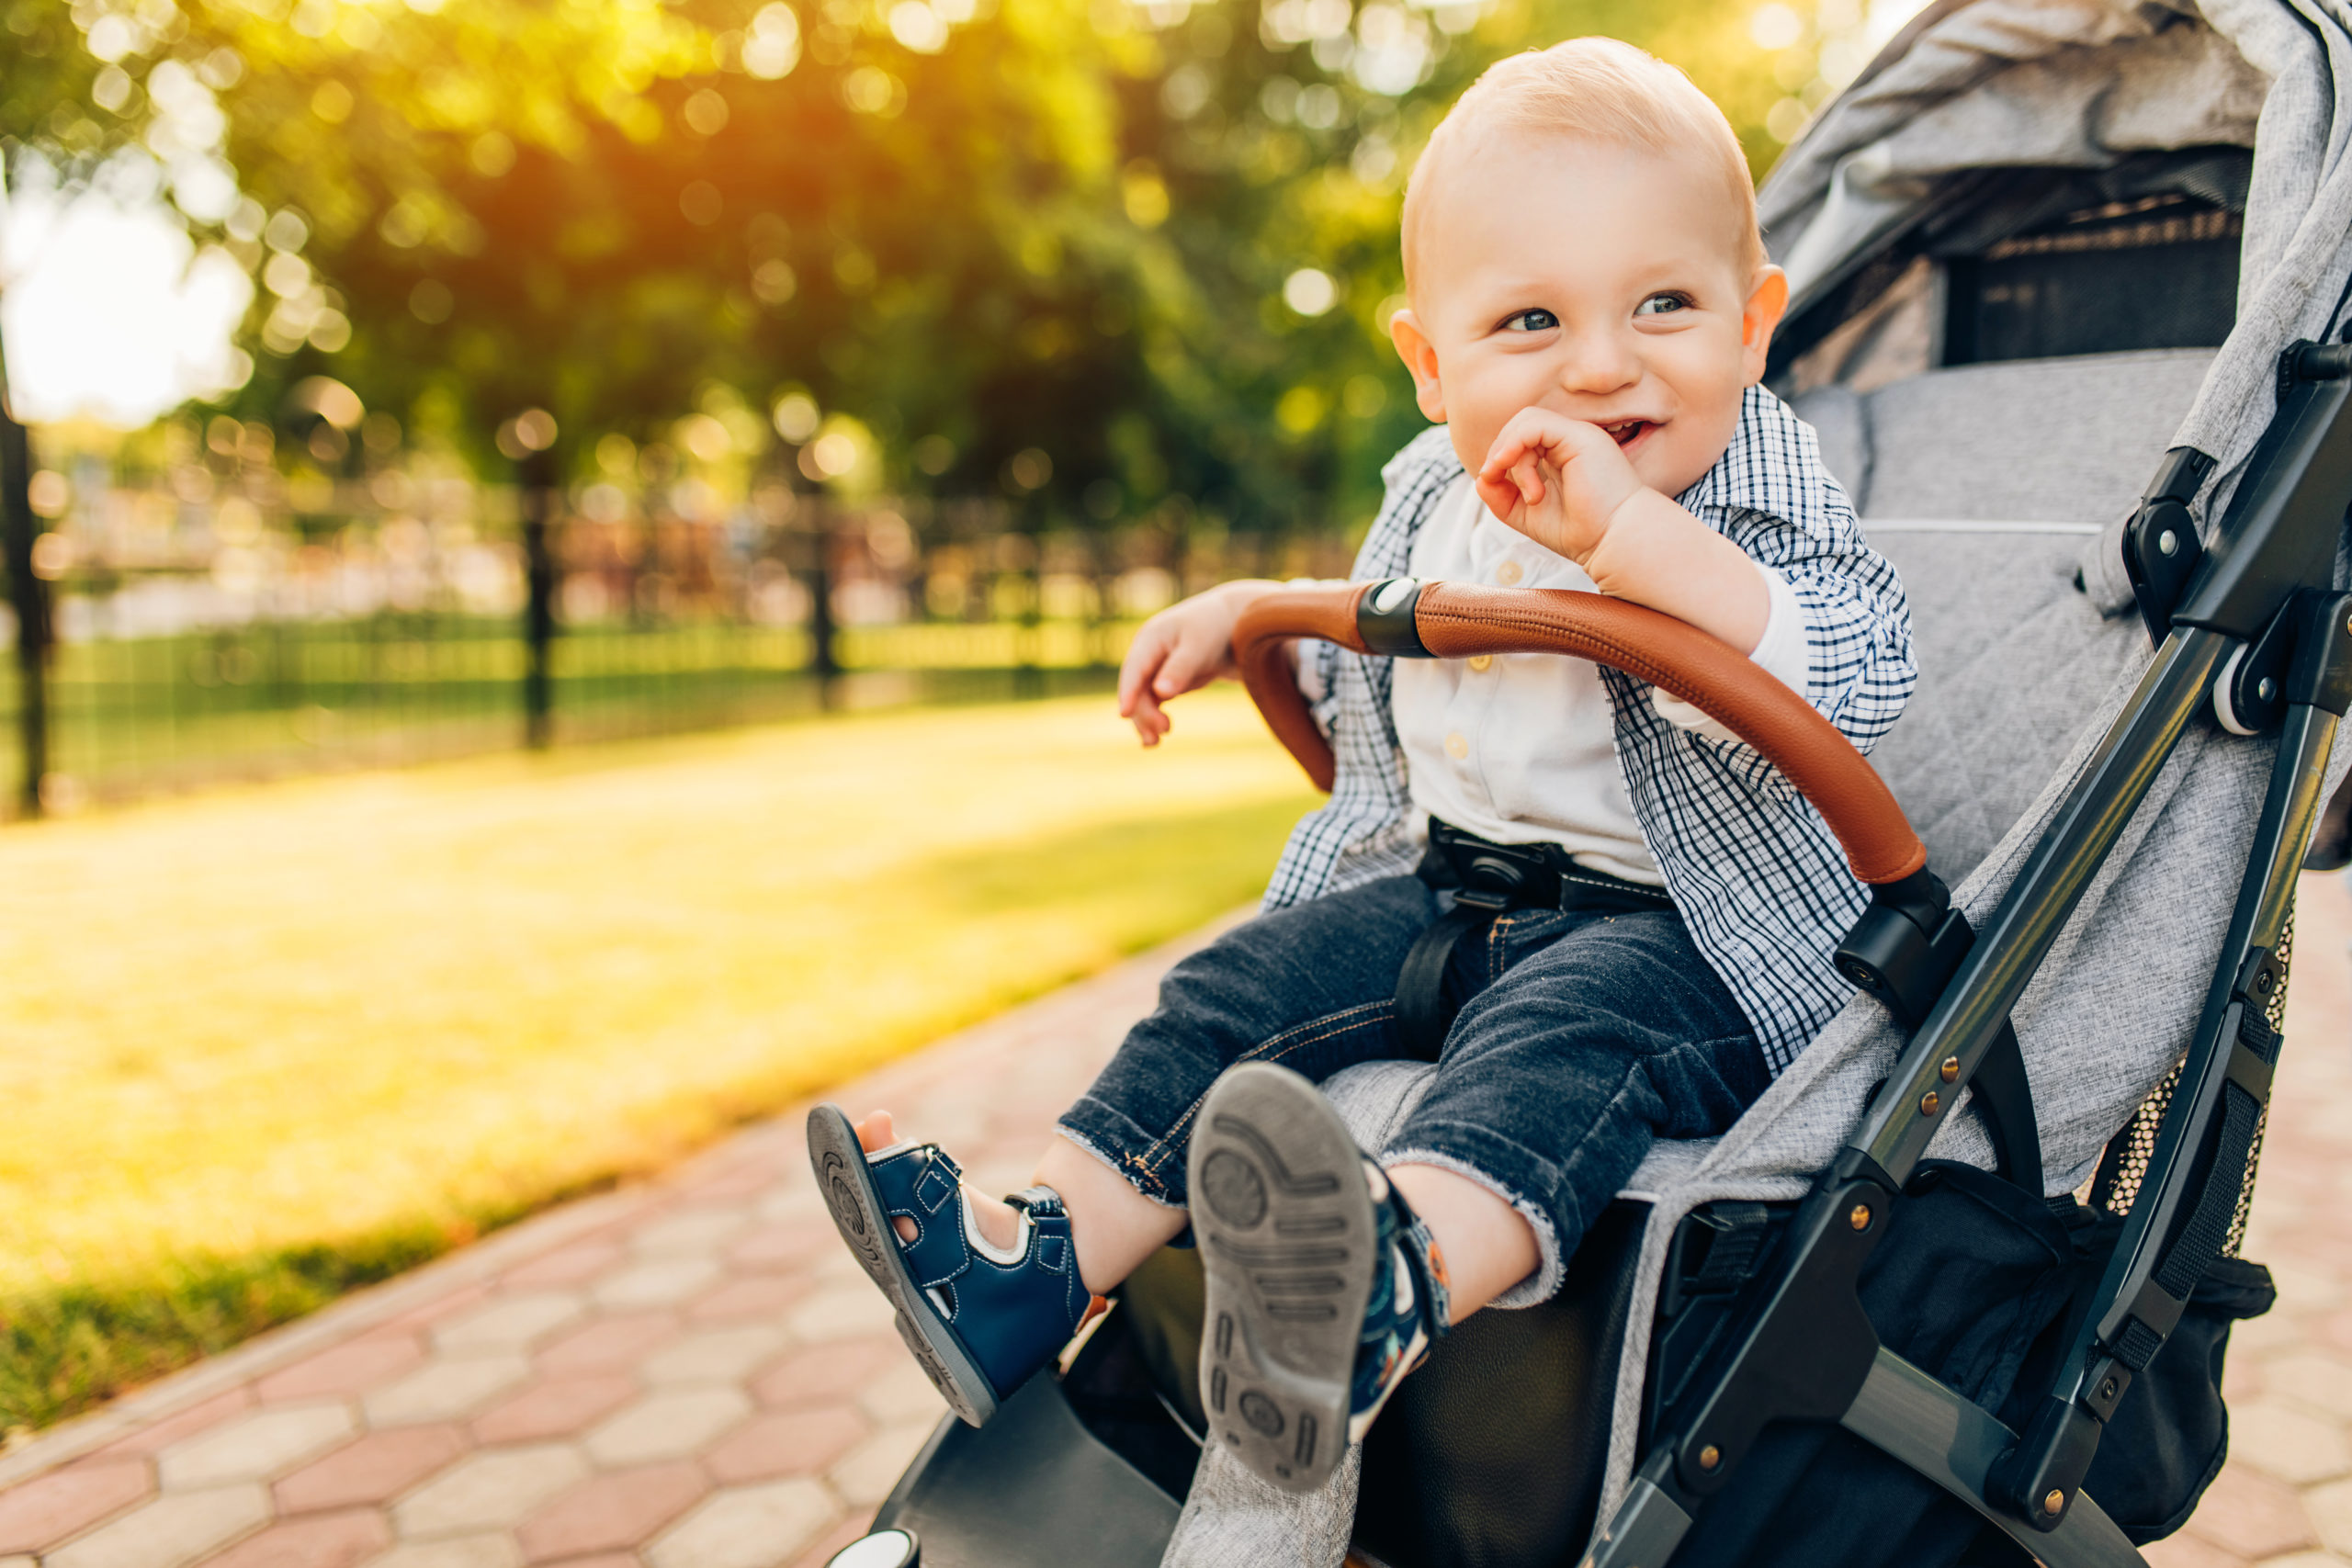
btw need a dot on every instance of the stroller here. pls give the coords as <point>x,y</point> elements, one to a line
<point>1957,1289</point>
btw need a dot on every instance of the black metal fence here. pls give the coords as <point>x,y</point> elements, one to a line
<point>213,619</point>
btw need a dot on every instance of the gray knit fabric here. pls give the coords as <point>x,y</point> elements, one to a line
<point>2023,670</point>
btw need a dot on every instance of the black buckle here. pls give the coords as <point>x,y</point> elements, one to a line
<point>1493,877</point>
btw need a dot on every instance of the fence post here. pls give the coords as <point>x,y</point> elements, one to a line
<point>28,595</point>
<point>540,498</point>
<point>825,657</point>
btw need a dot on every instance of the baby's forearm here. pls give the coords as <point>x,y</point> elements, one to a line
<point>1656,553</point>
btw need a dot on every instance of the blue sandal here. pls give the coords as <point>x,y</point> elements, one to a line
<point>982,1321</point>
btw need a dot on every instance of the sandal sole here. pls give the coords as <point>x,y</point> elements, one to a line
<point>859,1213</point>
<point>1287,1237</point>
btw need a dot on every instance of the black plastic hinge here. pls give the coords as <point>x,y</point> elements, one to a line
<point>2161,550</point>
<point>1905,944</point>
<point>1385,618</point>
<point>2321,674</point>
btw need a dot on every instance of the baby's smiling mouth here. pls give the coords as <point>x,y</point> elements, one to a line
<point>1625,432</point>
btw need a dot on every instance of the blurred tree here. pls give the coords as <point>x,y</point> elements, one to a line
<point>1109,260</point>
<point>63,109</point>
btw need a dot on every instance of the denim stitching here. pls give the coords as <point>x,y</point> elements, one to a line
<point>1156,1154</point>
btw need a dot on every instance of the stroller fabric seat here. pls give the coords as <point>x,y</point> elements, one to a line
<point>2044,457</point>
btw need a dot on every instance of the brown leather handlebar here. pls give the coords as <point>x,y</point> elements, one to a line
<point>1459,620</point>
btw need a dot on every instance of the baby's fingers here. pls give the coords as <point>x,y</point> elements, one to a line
<point>1145,656</point>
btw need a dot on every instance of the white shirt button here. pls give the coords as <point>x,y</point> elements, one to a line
<point>1457,747</point>
<point>1508,573</point>
<point>1482,662</point>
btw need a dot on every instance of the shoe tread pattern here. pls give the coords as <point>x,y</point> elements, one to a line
<point>1286,1230</point>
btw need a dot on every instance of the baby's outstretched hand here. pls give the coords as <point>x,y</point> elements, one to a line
<point>1556,479</point>
<point>1182,649</point>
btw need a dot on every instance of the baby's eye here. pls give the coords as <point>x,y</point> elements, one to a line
<point>1530,321</point>
<point>1662,304</point>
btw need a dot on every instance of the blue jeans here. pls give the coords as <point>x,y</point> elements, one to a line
<point>1582,1038</point>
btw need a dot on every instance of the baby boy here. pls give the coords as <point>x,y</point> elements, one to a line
<point>1590,312</point>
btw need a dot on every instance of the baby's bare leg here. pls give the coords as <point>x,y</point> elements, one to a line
<point>1113,1226</point>
<point>1487,1244</point>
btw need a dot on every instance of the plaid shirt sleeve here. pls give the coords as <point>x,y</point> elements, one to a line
<point>1756,873</point>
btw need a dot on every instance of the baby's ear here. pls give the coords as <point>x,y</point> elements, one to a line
<point>1768,302</point>
<point>1419,355</point>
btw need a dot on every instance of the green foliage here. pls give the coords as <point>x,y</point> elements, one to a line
<point>980,228</point>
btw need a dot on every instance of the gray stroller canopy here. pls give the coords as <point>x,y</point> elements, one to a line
<point>1999,486</point>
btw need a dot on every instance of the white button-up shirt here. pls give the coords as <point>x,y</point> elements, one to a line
<point>1521,747</point>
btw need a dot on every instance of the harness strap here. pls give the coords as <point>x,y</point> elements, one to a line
<point>2007,1098</point>
<point>1489,879</point>
<point>1421,1013</point>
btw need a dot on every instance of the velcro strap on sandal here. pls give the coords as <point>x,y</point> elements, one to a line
<point>920,1184</point>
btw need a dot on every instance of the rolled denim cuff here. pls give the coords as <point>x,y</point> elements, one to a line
<point>1151,1166</point>
<point>1551,1264</point>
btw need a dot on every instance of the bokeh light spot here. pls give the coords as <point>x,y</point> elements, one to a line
<point>706,112</point>
<point>1775,26</point>
<point>702,204</point>
<point>772,45</point>
<point>1310,291</point>
<point>492,154</point>
<point>430,302</point>
<point>918,26</point>
<point>796,416</point>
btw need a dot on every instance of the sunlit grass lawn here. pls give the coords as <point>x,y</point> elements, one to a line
<point>258,1047</point>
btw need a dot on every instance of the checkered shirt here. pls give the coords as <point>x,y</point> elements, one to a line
<point>1761,882</point>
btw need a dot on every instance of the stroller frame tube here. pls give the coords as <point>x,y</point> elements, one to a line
<point>1793,1355</point>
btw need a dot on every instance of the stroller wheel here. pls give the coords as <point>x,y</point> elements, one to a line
<point>883,1548</point>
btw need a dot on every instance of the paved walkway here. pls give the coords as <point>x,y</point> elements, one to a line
<point>693,1374</point>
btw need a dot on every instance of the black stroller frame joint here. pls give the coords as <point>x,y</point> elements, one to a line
<point>2258,606</point>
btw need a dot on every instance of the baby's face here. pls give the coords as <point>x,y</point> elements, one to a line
<point>1601,283</point>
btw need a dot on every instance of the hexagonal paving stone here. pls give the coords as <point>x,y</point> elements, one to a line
<point>694,1234</point>
<point>867,1472</point>
<point>2330,1508</point>
<point>510,1323</point>
<point>825,1373</point>
<point>343,1369</point>
<point>763,1299</point>
<point>494,1549</point>
<point>2287,1443</point>
<point>609,1345</point>
<point>441,1389</point>
<point>169,1532</point>
<point>716,1355</point>
<point>667,1425</point>
<point>324,1541</point>
<point>798,1442</point>
<point>747,1527</point>
<point>489,1491</point>
<point>841,1312</point>
<point>376,1469</point>
<point>655,1282</point>
<point>253,1446</point>
<point>555,1408</point>
<point>902,1394</point>
<point>613,1512</point>
<point>65,1502</point>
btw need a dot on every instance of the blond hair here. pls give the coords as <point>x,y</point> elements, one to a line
<point>1594,89</point>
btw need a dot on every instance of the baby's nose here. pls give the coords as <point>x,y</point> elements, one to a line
<point>1600,362</point>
